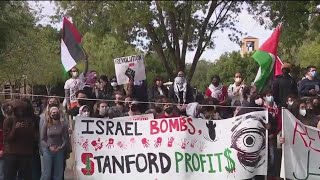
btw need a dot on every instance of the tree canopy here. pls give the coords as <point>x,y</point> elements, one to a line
<point>169,28</point>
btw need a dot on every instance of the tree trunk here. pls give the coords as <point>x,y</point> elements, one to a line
<point>48,87</point>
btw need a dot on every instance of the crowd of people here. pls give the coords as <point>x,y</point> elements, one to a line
<point>36,144</point>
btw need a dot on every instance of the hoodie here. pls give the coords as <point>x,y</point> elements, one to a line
<point>18,141</point>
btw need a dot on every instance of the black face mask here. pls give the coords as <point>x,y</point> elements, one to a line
<point>19,114</point>
<point>309,111</point>
<point>169,110</point>
<point>56,117</point>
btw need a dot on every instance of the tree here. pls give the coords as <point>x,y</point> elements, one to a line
<point>296,17</point>
<point>15,19</point>
<point>160,26</point>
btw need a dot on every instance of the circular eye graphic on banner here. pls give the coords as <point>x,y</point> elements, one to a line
<point>248,139</point>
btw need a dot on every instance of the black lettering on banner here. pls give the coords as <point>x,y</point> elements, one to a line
<point>164,169</point>
<point>119,128</point>
<point>87,131</point>
<point>107,165</point>
<point>120,166</point>
<point>110,125</point>
<point>128,128</point>
<point>99,125</point>
<point>138,164</point>
<point>128,162</point>
<point>98,158</point>
<point>152,158</point>
<point>136,129</point>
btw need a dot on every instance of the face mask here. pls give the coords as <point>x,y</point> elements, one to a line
<point>103,111</point>
<point>74,74</point>
<point>169,110</point>
<point>56,117</point>
<point>290,103</point>
<point>269,99</point>
<point>114,84</point>
<point>258,101</point>
<point>86,114</point>
<point>303,112</point>
<point>314,74</point>
<point>19,114</point>
<point>238,80</point>
<point>215,83</point>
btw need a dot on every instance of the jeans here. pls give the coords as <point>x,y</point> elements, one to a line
<point>52,161</point>
<point>14,164</point>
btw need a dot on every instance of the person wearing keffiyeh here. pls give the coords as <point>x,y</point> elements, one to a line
<point>180,91</point>
<point>217,90</point>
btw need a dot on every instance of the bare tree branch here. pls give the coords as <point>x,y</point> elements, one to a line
<point>202,32</point>
<point>158,48</point>
<point>186,31</point>
<point>175,35</point>
<point>166,36</point>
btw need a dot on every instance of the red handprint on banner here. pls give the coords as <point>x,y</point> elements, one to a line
<point>121,145</point>
<point>170,141</point>
<point>193,143</point>
<point>184,143</point>
<point>110,143</point>
<point>158,142</point>
<point>145,142</point>
<point>97,144</point>
<point>132,141</point>
<point>85,145</point>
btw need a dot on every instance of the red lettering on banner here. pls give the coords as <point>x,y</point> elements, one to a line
<point>89,165</point>
<point>311,140</point>
<point>154,127</point>
<point>302,134</point>
<point>171,125</point>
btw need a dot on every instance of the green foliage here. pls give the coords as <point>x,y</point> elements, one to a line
<point>309,53</point>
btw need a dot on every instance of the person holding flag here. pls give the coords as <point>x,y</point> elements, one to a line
<point>71,53</point>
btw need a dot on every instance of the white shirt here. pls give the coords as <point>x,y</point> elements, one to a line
<point>74,85</point>
<point>232,90</point>
<point>160,91</point>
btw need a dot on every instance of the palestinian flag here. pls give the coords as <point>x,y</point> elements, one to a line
<point>71,50</point>
<point>266,57</point>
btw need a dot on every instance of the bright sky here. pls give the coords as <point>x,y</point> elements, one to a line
<point>223,44</point>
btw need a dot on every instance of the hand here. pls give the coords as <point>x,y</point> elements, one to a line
<point>268,126</point>
<point>53,148</point>
<point>312,91</point>
<point>18,125</point>
<point>70,131</point>
<point>1,153</point>
<point>281,140</point>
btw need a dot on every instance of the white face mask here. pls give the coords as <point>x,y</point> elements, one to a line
<point>237,80</point>
<point>303,112</point>
<point>86,114</point>
<point>290,103</point>
<point>258,101</point>
<point>74,74</point>
<point>269,99</point>
<point>114,84</point>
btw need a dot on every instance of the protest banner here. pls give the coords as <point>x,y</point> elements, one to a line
<point>173,148</point>
<point>301,149</point>
<point>130,68</point>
